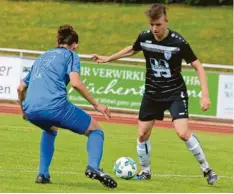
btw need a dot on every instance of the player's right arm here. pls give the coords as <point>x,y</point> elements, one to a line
<point>73,72</point>
<point>80,87</point>
<point>126,52</point>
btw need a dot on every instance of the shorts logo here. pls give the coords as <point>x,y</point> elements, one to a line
<point>182,95</point>
<point>167,55</point>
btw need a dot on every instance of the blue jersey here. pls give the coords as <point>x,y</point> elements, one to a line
<point>48,79</point>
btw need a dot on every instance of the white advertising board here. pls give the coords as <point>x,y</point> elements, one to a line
<point>225,97</point>
<point>26,66</point>
<point>10,71</point>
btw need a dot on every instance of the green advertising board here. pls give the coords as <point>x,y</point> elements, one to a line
<point>122,87</point>
<point>194,92</point>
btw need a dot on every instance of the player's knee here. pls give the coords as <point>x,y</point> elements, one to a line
<point>184,135</point>
<point>143,136</point>
<point>53,128</point>
<point>98,132</point>
<point>50,132</point>
<point>93,126</point>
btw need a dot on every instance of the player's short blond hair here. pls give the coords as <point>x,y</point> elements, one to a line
<point>155,11</point>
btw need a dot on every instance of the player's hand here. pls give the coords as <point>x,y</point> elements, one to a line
<point>205,103</point>
<point>99,58</point>
<point>104,110</point>
<point>24,116</point>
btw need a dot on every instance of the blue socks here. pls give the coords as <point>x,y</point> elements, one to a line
<point>95,148</point>
<point>46,151</point>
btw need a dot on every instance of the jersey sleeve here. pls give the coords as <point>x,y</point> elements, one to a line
<point>187,53</point>
<point>137,44</point>
<point>73,63</point>
<point>27,78</point>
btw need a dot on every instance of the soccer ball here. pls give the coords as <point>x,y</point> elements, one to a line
<point>125,168</point>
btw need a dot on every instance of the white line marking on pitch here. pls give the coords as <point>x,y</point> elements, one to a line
<point>154,174</point>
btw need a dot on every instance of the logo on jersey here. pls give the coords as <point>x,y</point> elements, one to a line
<point>148,41</point>
<point>160,68</point>
<point>167,55</point>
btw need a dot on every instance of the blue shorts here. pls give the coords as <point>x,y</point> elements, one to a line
<point>68,117</point>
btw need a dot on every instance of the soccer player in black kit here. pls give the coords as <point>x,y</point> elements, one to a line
<point>165,88</point>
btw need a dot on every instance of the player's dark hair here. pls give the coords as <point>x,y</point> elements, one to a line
<point>66,35</point>
<point>155,11</point>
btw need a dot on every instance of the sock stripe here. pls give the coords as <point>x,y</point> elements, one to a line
<point>196,138</point>
<point>146,149</point>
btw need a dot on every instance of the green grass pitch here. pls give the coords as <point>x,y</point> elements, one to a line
<point>174,168</point>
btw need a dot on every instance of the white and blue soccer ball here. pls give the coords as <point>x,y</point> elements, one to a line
<point>125,168</point>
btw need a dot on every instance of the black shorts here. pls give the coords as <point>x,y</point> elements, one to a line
<point>151,109</point>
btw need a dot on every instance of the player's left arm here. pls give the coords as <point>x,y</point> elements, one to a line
<point>22,89</point>
<point>205,100</point>
<point>190,57</point>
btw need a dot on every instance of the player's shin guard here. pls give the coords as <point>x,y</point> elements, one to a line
<point>95,148</point>
<point>143,151</point>
<point>46,151</point>
<point>194,146</point>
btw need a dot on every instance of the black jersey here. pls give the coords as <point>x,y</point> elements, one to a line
<point>164,81</point>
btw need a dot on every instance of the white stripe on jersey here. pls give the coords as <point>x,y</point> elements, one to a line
<point>172,79</point>
<point>177,68</point>
<point>151,85</point>
<point>150,91</point>
<point>159,48</point>
<point>172,89</point>
<point>167,86</point>
<point>160,86</point>
<point>155,81</point>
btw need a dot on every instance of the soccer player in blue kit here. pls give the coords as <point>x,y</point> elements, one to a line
<point>43,99</point>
